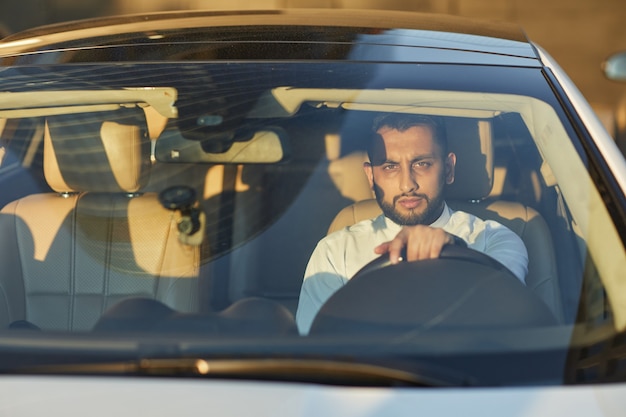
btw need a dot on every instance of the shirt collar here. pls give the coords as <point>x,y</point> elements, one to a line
<point>444,218</point>
<point>441,221</point>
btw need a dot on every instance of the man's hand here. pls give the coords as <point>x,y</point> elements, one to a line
<point>421,242</point>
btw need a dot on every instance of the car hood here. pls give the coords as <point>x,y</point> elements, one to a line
<point>106,396</point>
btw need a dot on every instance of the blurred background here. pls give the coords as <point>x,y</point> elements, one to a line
<point>579,34</point>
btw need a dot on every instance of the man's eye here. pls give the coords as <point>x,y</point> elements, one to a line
<point>389,167</point>
<point>422,164</point>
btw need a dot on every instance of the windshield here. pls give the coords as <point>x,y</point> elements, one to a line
<point>173,211</point>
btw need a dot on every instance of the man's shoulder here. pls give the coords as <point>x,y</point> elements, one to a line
<point>473,228</point>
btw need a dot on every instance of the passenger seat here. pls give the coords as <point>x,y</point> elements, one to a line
<point>69,255</point>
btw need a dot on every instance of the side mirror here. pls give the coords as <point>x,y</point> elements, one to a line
<point>615,67</point>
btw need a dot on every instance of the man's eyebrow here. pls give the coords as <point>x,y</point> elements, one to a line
<point>416,158</point>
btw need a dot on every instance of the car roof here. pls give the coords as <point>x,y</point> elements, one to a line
<point>364,27</point>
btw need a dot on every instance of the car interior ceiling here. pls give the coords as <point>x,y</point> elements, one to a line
<point>272,215</point>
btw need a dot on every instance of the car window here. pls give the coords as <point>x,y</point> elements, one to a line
<point>201,189</point>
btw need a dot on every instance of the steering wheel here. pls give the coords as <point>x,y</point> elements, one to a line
<point>463,288</point>
<point>458,252</point>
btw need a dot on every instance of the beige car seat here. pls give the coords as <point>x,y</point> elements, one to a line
<point>471,141</point>
<point>69,255</point>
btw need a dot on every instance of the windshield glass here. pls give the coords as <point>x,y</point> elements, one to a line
<point>175,211</point>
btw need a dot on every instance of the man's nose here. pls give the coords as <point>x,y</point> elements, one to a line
<point>408,182</point>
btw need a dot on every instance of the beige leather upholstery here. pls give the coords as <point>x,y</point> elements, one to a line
<point>69,256</point>
<point>471,141</point>
<point>354,187</point>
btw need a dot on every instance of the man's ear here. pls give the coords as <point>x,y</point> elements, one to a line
<point>367,167</point>
<point>450,164</point>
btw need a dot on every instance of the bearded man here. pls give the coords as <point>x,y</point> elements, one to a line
<point>408,169</point>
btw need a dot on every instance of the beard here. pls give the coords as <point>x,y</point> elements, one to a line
<point>431,213</point>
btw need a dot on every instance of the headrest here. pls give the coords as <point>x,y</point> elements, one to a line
<point>470,140</point>
<point>98,152</point>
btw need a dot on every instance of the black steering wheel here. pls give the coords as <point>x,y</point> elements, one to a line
<point>460,289</point>
<point>454,251</point>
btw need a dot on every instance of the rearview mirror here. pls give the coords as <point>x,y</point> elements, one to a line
<point>615,67</point>
<point>265,147</point>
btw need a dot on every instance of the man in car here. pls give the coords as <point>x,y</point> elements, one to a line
<point>409,167</point>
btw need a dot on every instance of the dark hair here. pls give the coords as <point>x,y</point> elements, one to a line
<point>404,121</point>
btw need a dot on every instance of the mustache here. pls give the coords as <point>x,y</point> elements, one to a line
<point>416,195</point>
<point>380,194</point>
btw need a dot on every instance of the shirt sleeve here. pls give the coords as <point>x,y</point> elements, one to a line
<point>506,247</point>
<point>322,279</point>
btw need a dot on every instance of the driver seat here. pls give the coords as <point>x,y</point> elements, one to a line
<point>471,141</point>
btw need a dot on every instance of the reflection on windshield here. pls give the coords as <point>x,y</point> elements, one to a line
<point>180,205</point>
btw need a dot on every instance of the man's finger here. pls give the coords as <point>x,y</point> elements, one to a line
<point>382,248</point>
<point>395,248</point>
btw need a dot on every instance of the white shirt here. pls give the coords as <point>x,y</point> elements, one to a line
<point>342,254</point>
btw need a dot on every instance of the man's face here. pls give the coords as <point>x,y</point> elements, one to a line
<point>408,173</point>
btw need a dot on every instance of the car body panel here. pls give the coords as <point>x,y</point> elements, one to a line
<point>69,396</point>
<point>295,26</point>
